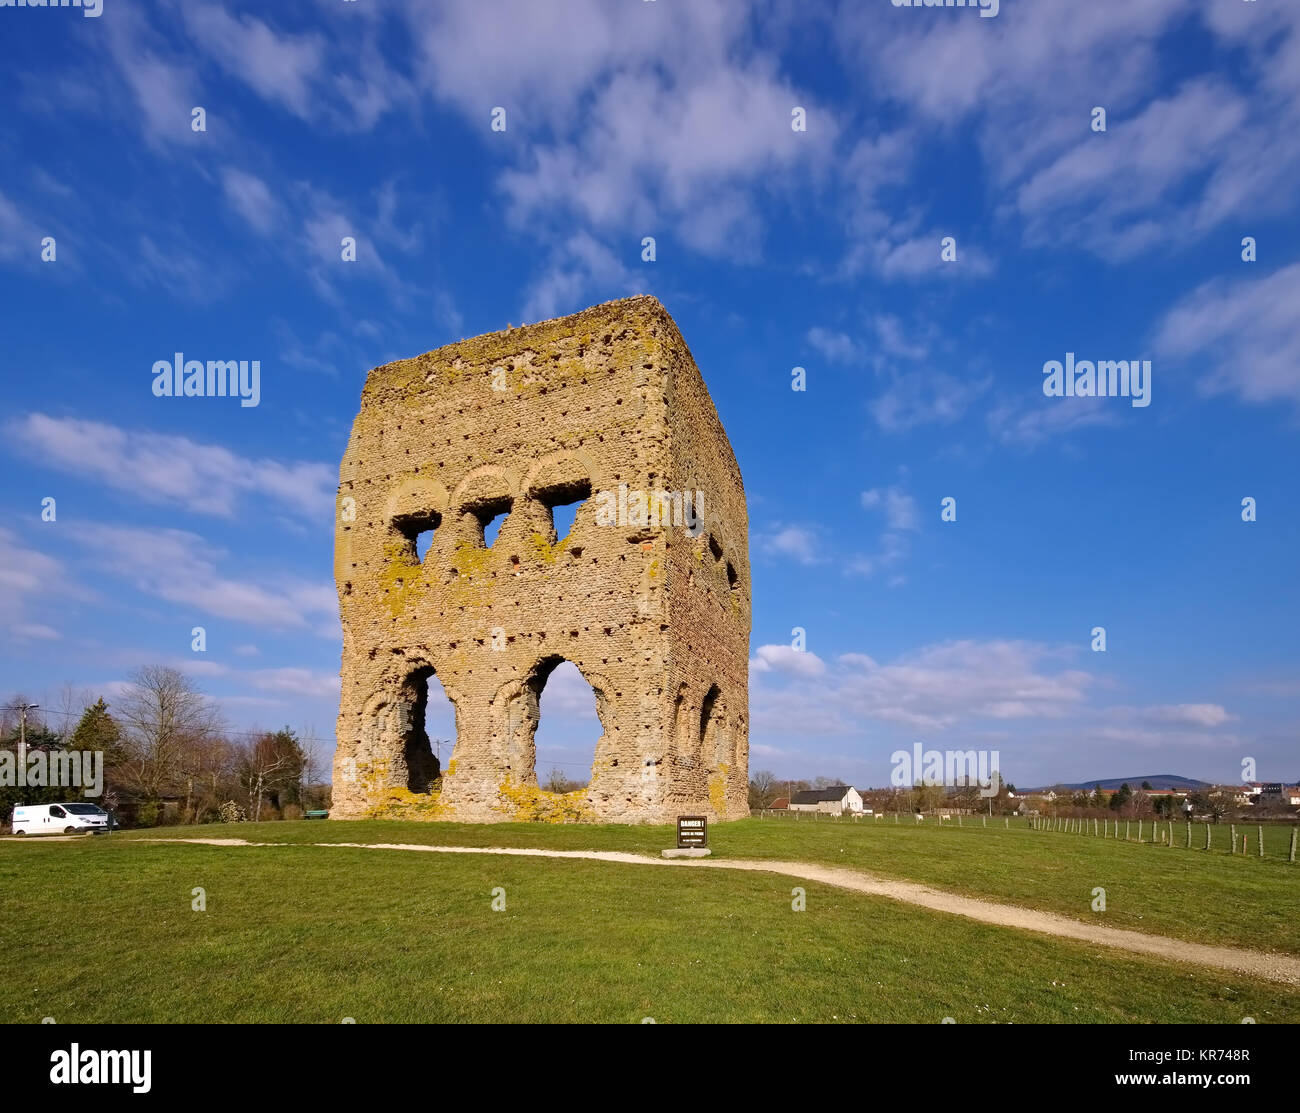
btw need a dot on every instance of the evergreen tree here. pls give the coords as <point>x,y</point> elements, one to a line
<point>99,731</point>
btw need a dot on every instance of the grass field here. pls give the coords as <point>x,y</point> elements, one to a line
<point>102,930</point>
<point>1211,897</point>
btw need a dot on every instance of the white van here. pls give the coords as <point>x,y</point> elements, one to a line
<point>58,819</point>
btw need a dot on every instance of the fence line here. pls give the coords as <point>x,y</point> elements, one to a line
<point>1161,831</point>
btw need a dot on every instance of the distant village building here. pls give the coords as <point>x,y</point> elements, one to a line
<point>834,800</point>
<point>780,804</point>
<point>1275,795</point>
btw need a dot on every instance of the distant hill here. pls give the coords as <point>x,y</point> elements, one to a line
<point>1156,780</point>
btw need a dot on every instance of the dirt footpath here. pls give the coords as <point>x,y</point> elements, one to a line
<point>1259,964</point>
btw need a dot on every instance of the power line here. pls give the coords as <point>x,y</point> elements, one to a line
<point>313,737</point>
<point>223,733</point>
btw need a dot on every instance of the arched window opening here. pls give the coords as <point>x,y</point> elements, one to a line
<point>713,729</point>
<point>490,516</point>
<point>417,530</point>
<point>427,722</point>
<point>562,502</point>
<point>568,728</point>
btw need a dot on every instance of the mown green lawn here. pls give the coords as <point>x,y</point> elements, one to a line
<point>1211,897</point>
<point>103,930</point>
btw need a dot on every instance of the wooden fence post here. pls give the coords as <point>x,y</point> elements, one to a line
<point>1207,834</point>
<point>1139,830</point>
<point>1189,834</point>
<point>1261,840</point>
<point>1293,835</point>
<point>1126,823</point>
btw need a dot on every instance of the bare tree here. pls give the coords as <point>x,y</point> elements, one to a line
<point>70,704</point>
<point>272,764</point>
<point>313,763</point>
<point>556,781</point>
<point>762,789</point>
<point>164,719</point>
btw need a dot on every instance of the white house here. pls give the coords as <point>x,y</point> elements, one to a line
<point>840,798</point>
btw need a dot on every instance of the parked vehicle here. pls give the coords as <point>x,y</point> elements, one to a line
<point>58,819</point>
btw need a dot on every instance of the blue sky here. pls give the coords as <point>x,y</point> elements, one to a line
<point>775,248</point>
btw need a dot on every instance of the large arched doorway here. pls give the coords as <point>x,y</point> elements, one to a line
<point>426,720</point>
<point>568,726</point>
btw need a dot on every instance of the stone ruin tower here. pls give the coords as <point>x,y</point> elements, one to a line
<point>648,594</point>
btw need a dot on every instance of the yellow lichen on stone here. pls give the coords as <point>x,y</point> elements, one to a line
<point>542,550</point>
<point>718,790</point>
<point>401,577</point>
<point>401,803</point>
<point>530,804</point>
<point>603,401</point>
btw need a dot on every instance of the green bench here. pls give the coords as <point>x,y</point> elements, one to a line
<point>316,815</point>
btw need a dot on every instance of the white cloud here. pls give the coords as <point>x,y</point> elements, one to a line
<point>251,198</point>
<point>294,681</point>
<point>924,396</point>
<point>798,543</point>
<point>19,237</point>
<point>171,469</point>
<point>1246,330</point>
<point>280,68</point>
<point>834,347</point>
<point>580,271</point>
<point>786,659</point>
<point>568,695</point>
<point>685,120</point>
<point>1049,419</point>
<point>938,688</point>
<point>164,92</point>
<point>899,507</point>
<point>29,579</point>
<point>1191,714</point>
<point>34,631</point>
<point>181,568</point>
<point>1167,169</point>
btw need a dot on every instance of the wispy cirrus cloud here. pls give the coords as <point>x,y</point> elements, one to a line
<point>170,469</point>
<point>1243,335</point>
<point>194,584</point>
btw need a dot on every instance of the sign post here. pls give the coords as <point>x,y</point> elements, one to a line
<point>692,838</point>
<point>692,831</point>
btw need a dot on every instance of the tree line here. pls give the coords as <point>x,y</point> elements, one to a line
<point>168,757</point>
<point>765,788</point>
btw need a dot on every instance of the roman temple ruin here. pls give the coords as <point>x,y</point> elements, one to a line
<point>648,594</point>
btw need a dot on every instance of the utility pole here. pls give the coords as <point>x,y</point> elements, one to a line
<point>22,709</point>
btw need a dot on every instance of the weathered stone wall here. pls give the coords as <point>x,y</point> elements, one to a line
<point>657,620</point>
